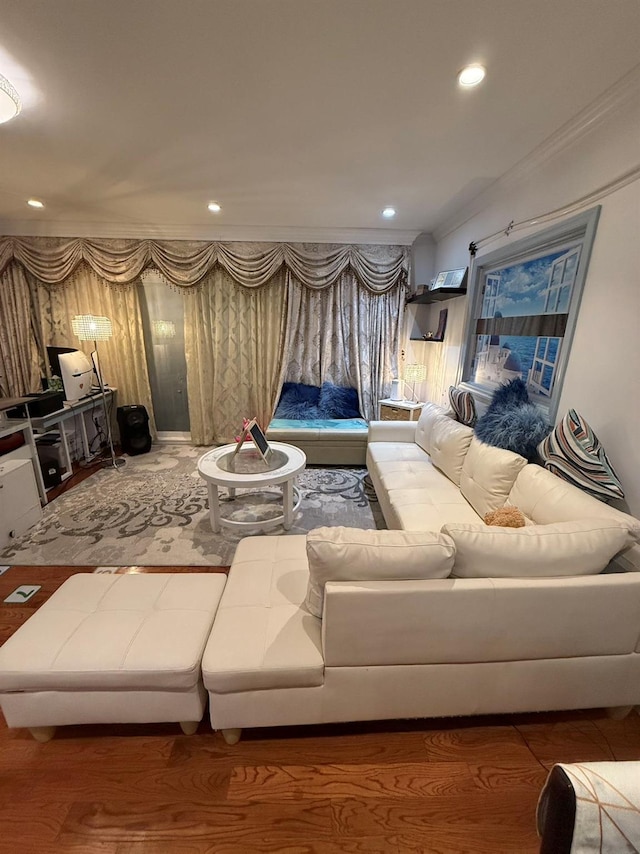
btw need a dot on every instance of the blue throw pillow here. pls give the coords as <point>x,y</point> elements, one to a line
<point>511,422</point>
<point>298,401</point>
<point>338,402</point>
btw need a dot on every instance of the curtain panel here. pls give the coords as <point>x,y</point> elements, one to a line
<point>344,335</point>
<point>234,342</point>
<point>20,368</point>
<point>122,357</point>
<point>186,263</point>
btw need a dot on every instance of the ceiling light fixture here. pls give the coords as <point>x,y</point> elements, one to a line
<point>214,207</point>
<point>10,104</point>
<point>471,75</point>
<point>389,213</point>
<point>35,203</point>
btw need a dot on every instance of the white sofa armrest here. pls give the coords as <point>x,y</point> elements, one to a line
<point>392,431</point>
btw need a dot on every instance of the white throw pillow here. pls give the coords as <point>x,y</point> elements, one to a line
<point>353,554</point>
<point>582,547</point>
<point>488,475</point>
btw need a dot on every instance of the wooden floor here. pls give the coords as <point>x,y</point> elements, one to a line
<point>437,786</point>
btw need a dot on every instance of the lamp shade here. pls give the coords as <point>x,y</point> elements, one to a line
<point>163,329</point>
<point>90,327</point>
<point>415,373</point>
<point>10,104</point>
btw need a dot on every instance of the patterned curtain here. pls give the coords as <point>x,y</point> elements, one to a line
<point>185,263</point>
<point>20,368</point>
<point>235,340</point>
<point>122,357</point>
<point>345,335</point>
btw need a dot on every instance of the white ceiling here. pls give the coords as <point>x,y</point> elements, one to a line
<point>300,117</point>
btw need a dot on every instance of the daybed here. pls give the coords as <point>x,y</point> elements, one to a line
<point>416,622</point>
<point>324,422</point>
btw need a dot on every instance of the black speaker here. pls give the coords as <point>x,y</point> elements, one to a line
<point>133,422</point>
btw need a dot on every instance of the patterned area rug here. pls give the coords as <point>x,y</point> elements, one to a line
<point>154,512</point>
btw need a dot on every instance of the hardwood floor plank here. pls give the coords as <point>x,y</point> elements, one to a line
<point>107,783</point>
<point>283,782</point>
<point>46,818</point>
<point>567,741</point>
<point>303,746</point>
<point>493,744</point>
<point>469,841</point>
<point>622,737</point>
<point>513,778</point>
<point>95,747</point>
<point>368,845</point>
<point>241,823</point>
<point>375,817</point>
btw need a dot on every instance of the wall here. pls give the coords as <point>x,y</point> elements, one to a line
<point>602,374</point>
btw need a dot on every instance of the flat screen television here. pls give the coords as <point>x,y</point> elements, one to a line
<point>76,372</point>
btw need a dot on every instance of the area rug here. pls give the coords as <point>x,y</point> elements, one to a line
<point>154,512</point>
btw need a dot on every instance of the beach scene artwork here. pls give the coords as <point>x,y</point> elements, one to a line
<point>522,320</point>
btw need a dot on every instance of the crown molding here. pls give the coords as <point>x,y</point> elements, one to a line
<point>269,234</point>
<point>581,125</point>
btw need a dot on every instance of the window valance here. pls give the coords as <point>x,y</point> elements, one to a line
<point>185,263</point>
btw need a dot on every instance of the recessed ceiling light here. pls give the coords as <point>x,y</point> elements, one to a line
<point>35,203</point>
<point>389,213</point>
<point>214,207</point>
<point>10,104</point>
<point>471,75</point>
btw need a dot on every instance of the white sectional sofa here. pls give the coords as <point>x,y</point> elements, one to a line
<point>393,645</point>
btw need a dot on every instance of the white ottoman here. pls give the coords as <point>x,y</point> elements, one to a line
<point>112,649</point>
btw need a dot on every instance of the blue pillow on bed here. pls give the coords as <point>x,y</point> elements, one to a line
<point>338,402</point>
<point>298,401</point>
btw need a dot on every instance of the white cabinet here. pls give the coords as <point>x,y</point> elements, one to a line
<point>19,499</point>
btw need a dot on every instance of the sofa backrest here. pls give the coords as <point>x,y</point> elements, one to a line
<point>448,620</point>
<point>544,497</point>
<point>430,413</point>
<point>450,442</point>
<point>488,475</point>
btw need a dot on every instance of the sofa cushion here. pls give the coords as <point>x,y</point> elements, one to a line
<point>545,498</point>
<point>430,413</point>
<point>351,554</point>
<point>298,400</point>
<point>574,453</point>
<point>463,405</point>
<point>430,509</point>
<point>449,445</point>
<point>488,475</point>
<point>581,547</point>
<point>262,637</point>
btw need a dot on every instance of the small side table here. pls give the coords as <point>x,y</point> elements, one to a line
<point>399,410</point>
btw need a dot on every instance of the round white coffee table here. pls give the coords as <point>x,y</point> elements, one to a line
<point>248,471</point>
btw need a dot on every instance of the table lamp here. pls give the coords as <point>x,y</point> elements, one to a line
<point>91,327</point>
<point>414,373</point>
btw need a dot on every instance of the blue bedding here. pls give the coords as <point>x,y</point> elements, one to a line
<point>352,424</point>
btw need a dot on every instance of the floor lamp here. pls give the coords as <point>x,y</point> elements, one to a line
<point>90,327</point>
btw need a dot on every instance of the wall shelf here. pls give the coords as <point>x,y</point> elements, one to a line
<point>438,340</point>
<point>436,296</point>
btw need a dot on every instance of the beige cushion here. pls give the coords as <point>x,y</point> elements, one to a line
<point>101,632</point>
<point>449,445</point>
<point>488,475</point>
<point>544,497</point>
<point>430,413</point>
<point>582,547</point>
<point>262,638</point>
<point>351,554</point>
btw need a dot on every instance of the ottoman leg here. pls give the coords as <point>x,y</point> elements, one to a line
<point>189,727</point>
<point>231,736</point>
<point>42,733</point>
<point>618,713</point>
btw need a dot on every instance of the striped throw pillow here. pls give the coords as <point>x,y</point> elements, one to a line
<point>574,453</point>
<point>463,405</point>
